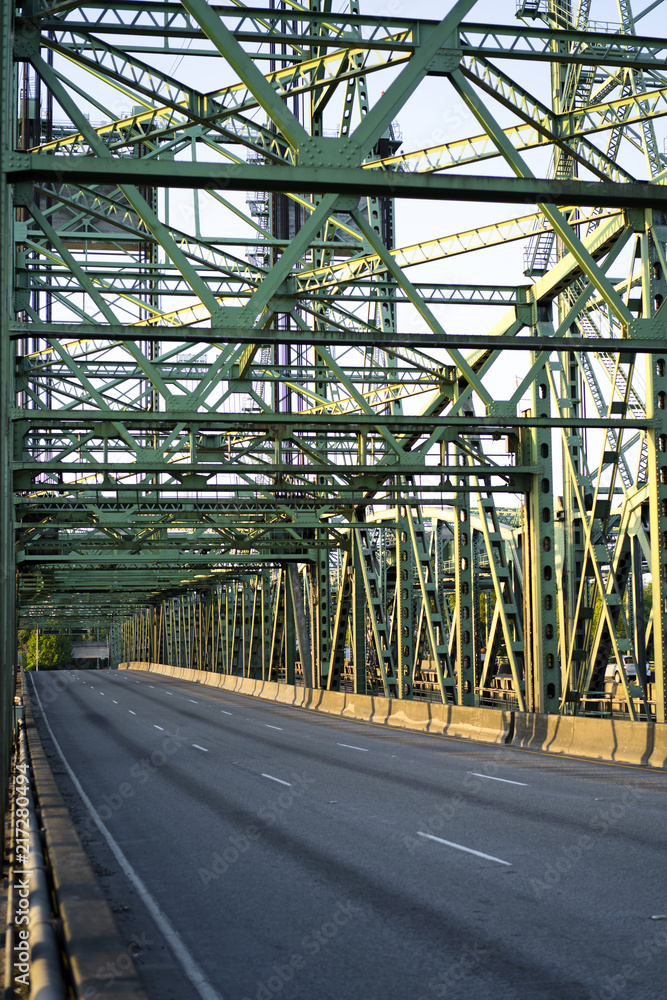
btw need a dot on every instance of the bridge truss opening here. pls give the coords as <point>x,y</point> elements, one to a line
<point>297,385</point>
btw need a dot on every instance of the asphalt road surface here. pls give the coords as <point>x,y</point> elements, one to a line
<point>252,851</point>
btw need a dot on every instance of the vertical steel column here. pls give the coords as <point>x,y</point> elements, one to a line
<point>300,624</point>
<point>266,624</point>
<point>208,630</point>
<point>233,651</point>
<point>171,632</point>
<point>405,604</point>
<point>276,606</point>
<point>216,659</point>
<point>187,610</point>
<point>289,630</point>
<point>637,609</point>
<point>115,643</point>
<point>227,631</point>
<point>246,626</point>
<point>322,617</point>
<point>540,595</point>
<point>656,411</point>
<point>358,621</point>
<point>178,622</point>
<point>464,590</point>
<point>331,675</point>
<point>573,633</point>
<point>159,654</point>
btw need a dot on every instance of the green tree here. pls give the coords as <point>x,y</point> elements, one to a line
<point>22,645</point>
<point>55,651</point>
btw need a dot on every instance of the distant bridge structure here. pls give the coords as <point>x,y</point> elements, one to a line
<point>90,650</point>
<point>290,391</point>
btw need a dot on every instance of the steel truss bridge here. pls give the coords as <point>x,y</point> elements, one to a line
<point>261,414</point>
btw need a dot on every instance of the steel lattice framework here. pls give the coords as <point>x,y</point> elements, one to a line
<point>251,427</point>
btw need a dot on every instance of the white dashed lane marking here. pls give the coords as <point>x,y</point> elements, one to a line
<point>468,850</point>
<point>489,777</point>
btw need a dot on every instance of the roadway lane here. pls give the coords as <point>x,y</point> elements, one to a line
<point>256,851</point>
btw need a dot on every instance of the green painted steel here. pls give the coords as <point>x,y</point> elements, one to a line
<point>8,572</point>
<point>255,417</point>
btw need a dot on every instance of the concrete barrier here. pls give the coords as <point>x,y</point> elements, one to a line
<point>538,732</point>
<point>488,725</point>
<point>618,740</point>
<point>658,756</point>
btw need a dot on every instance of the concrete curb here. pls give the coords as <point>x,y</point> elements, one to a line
<point>91,940</point>
<point>613,740</point>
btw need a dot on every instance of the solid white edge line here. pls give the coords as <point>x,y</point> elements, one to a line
<point>197,747</point>
<point>468,850</point>
<point>173,938</point>
<point>279,780</point>
<point>279,728</point>
<point>350,747</point>
<point>489,777</point>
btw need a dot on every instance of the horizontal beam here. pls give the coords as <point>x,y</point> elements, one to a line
<point>502,41</point>
<point>637,343</point>
<point>320,178</point>
<point>315,422</point>
<point>301,474</point>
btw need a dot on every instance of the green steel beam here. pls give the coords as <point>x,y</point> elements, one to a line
<point>321,177</point>
<point>639,338</point>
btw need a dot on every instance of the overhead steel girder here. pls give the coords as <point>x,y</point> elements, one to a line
<point>320,177</point>
<point>526,42</point>
<point>642,338</point>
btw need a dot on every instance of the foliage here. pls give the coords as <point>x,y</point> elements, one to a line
<point>55,651</point>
